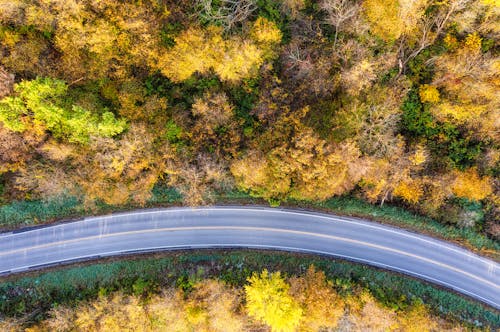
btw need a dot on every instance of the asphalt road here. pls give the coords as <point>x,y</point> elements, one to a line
<point>362,241</point>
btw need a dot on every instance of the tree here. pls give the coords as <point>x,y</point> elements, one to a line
<point>217,304</point>
<point>215,128</point>
<point>233,58</point>
<point>339,12</point>
<point>119,171</point>
<point>322,307</point>
<point>416,318</point>
<point>268,300</point>
<point>428,93</point>
<point>38,106</point>
<point>294,162</point>
<point>396,175</point>
<point>469,80</point>
<point>368,314</point>
<point>384,19</point>
<point>6,83</point>
<point>228,13</point>
<point>468,184</point>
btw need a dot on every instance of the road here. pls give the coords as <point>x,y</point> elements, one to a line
<point>221,227</point>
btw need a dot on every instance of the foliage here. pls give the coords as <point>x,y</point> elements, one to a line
<point>212,304</point>
<point>37,107</point>
<point>392,101</point>
<point>268,301</point>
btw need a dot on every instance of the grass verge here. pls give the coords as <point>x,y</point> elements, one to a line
<point>36,292</point>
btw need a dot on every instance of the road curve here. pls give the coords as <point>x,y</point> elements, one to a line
<point>218,227</point>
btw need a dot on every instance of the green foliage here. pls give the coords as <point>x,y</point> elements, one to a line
<point>40,101</point>
<point>168,33</point>
<point>24,213</point>
<point>443,139</point>
<point>141,287</point>
<point>173,133</point>
<point>270,9</point>
<point>417,120</point>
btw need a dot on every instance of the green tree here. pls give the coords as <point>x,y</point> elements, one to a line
<point>268,301</point>
<point>39,105</point>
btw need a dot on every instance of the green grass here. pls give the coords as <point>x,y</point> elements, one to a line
<point>39,292</point>
<point>28,213</point>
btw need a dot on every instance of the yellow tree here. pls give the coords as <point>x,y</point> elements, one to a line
<point>384,19</point>
<point>468,184</point>
<point>268,300</point>
<point>470,80</point>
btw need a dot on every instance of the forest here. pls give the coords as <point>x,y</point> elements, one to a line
<point>385,100</point>
<point>268,301</point>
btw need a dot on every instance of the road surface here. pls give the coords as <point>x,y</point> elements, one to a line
<point>220,227</point>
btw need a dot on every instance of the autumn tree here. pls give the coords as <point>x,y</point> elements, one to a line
<point>339,13</point>
<point>396,175</point>
<point>468,184</point>
<point>366,313</point>
<point>416,318</point>
<point>296,163</point>
<point>213,306</point>
<point>469,81</point>
<point>321,306</point>
<point>228,13</point>
<point>215,125</point>
<point>268,300</point>
<point>118,171</point>
<point>384,18</point>
<point>233,58</point>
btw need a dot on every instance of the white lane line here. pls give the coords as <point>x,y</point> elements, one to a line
<point>241,245</point>
<point>262,229</point>
<point>334,218</point>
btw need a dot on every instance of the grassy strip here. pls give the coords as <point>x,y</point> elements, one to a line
<point>28,213</point>
<point>39,292</point>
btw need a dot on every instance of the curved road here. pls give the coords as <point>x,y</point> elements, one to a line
<point>291,230</point>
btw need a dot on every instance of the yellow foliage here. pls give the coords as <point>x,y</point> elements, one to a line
<point>419,157</point>
<point>369,315</point>
<point>241,60</point>
<point>494,3</point>
<point>384,19</point>
<point>316,169</point>
<point>460,113</point>
<point>199,50</point>
<point>269,301</point>
<point>473,42</point>
<point>195,50</point>
<point>468,184</point>
<point>9,37</point>
<point>359,77</point>
<point>417,319</point>
<point>410,191</point>
<point>428,93</point>
<point>265,31</point>
<point>450,41</point>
